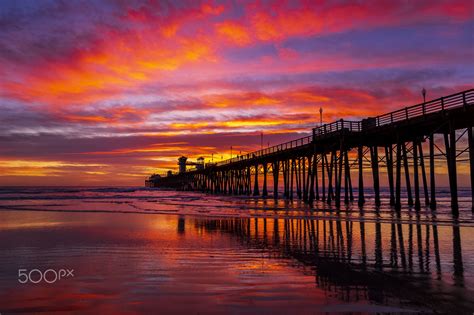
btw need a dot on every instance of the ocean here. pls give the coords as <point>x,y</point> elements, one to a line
<point>128,250</point>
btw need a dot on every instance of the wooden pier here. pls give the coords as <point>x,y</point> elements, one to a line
<point>318,166</point>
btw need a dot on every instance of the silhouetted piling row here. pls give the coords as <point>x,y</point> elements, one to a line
<point>318,167</point>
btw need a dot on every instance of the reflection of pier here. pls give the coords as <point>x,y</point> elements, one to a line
<point>357,260</point>
<point>181,225</point>
<point>318,167</point>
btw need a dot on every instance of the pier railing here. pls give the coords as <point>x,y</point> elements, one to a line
<point>348,125</point>
<point>437,105</point>
<point>321,131</point>
<point>276,148</point>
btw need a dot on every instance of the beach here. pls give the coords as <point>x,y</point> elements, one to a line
<point>138,250</point>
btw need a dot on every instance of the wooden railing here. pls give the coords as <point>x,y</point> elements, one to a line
<point>352,126</point>
<point>276,148</point>
<point>438,105</point>
<point>321,131</point>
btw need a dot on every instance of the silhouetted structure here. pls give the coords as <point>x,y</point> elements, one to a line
<point>182,164</point>
<point>319,165</point>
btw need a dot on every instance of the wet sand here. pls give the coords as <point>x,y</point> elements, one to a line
<point>142,251</point>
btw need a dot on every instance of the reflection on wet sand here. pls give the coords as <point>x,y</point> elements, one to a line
<point>398,265</point>
<point>139,251</point>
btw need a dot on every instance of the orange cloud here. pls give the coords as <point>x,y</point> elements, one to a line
<point>40,168</point>
<point>234,32</point>
<point>208,8</point>
<point>240,99</point>
<point>118,68</point>
<point>121,60</point>
<point>154,148</point>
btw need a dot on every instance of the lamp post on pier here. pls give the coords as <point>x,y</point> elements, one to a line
<point>423,92</point>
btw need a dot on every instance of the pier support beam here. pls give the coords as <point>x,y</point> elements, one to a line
<point>432,174</point>
<point>298,179</point>
<point>347,176</point>
<point>451,161</point>
<point>423,173</point>
<point>256,191</point>
<point>249,181</point>
<point>309,176</point>
<point>312,166</point>
<point>471,162</point>
<point>288,170</point>
<point>264,189</point>
<point>337,179</point>
<point>275,169</point>
<point>284,168</point>
<point>389,162</point>
<point>339,175</point>
<point>375,173</point>
<point>235,188</point>
<point>415,176</point>
<point>407,174</point>
<point>398,202</point>
<point>316,183</point>
<point>330,171</point>
<point>323,177</point>
<point>305,187</point>
<point>290,179</point>
<point>360,154</point>
<point>292,171</point>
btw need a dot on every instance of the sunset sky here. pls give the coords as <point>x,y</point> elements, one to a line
<point>107,92</point>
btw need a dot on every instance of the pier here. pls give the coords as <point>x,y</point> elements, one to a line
<point>403,145</point>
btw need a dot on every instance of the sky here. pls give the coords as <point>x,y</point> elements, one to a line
<point>108,92</point>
